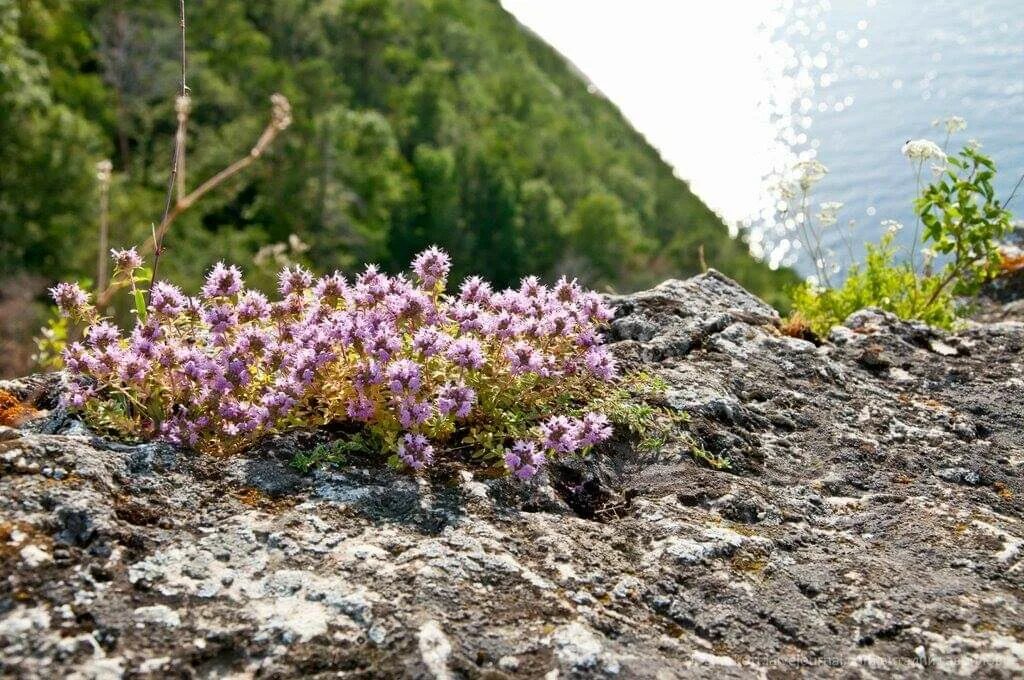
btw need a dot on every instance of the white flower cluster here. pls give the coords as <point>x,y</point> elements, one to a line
<point>829,213</point>
<point>810,173</point>
<point>923,150</point>
<point>952,124</point>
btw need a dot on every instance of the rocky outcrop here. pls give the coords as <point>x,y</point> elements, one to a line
<point>870,524</point>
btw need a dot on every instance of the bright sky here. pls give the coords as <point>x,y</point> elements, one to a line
<point>688,75</point>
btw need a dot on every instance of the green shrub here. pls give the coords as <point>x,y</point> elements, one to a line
<point>962,222</point>
<point>880,282</point>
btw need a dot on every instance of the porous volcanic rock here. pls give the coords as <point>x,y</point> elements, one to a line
<point>870,525</point>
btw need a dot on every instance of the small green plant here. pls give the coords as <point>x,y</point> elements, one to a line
<point>332,453</point>
<point>880,282</point>
<point>962,222</point>
<point>51,341</point>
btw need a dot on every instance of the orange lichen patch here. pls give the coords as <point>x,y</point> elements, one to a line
<point>1004,491</point>
<point>796,326</point>
<point>256,498</point>
<point>1011,261</point>
<point>9,547</point>
<point>13,413</point>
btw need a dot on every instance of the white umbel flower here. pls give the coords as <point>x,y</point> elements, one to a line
<point>809,173</point>
<point>952,124</point>
<point>829,213</point>
<point>923,150</point>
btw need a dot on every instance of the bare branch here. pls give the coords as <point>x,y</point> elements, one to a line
<point>179,150</point>
<point>280,119</point>
<point>103,170</point>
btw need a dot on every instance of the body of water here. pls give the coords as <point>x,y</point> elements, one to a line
<point>735,94</point>
<point>867,76</point>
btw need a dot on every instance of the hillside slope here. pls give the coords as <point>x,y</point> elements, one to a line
<point>416,121</point>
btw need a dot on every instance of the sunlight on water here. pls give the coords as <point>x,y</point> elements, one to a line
<point>735,94</point>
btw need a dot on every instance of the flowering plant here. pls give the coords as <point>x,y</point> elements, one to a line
<point>512,375</point>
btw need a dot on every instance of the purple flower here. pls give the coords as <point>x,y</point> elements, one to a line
<point>557,324</point>
<point>432,267</point>
<point>294,281</point>
<point>220,318</point>
<point>253,306</point>
<point>560,434</point>
<point>71,300</point>
<point>167,299</point>
<point>566,291</point>
<point>371,286</point>
<point>523,358</point>
<point>600,363</point>
<point>411,304</point>
<point>594,428</point>
<point>367,373</point>
<point>222,281</point>
<point>331,288</point>
<point>415,451</point>
<point>361,408</point>
<point>524,459</point>
<point>530,288</point>
<point>502,325</point>
<point>126,260</point>
<point>593,307</point>
<point>412,412</point>
<point>102,334</point>
<point>384,346</point>
<point>475,289</point>
<point>428,341</point>
<point>404,376</point>
<point>456,400</point>
<point>76,394</point>
<point>466,352</point>
<point>470,317</point>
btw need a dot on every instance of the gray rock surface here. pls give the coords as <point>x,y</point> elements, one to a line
<point>870,525</point>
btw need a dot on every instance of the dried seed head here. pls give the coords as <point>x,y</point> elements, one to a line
<point>183,105</point>
<point>103,170</point>
<point>280,112</point>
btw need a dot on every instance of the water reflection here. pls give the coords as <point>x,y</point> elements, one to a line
<point>851,82</point>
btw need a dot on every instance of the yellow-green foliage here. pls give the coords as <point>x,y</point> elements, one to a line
<point>879,282</point>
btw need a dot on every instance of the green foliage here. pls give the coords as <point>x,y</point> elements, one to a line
<point>415,123</point>
<point>963,221</point>
<point>880,282</point>
<point>333,453</point>
<point>52,339</point>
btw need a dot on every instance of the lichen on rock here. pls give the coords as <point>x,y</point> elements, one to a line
<point>870,520</point>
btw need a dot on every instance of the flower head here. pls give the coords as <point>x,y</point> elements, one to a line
<point>466,352</point>
<point>415,451</point>
<point>594,428</point>
<point>294,280</point>
<point>71,300</point>
<point>560,434</point>
<point>432,266</point>
<point>456,400</point>
<point>404,376</point>
<point>126,260</point>
<point>524,459</point>
<point>167,299</point>
<point>922,150</point>
<point>222,281</point>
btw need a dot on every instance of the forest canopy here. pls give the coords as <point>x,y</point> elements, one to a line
<point>416,122</point>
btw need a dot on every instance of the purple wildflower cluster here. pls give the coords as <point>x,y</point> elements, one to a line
<point>395,352</point>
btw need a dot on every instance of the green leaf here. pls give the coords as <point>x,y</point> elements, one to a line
<point>140,305</point>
